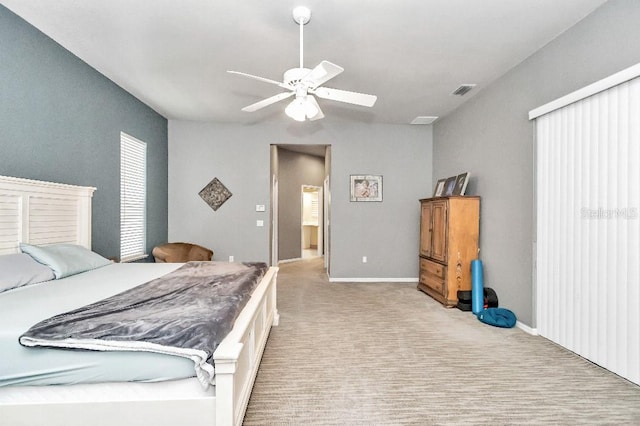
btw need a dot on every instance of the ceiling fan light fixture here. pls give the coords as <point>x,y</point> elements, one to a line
<point>310,109</point>
<point>296,110</point>
<point>300,109</point>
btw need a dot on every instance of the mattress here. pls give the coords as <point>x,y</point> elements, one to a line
<point>23,307</point>
<point>170,390</point>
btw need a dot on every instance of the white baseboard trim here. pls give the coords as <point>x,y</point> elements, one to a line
<point>289,260</point>
<point>526,328</point>
<point>296,259</point>
<point>373,280</point>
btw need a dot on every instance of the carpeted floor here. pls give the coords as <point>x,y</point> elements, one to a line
<point>387,354</point>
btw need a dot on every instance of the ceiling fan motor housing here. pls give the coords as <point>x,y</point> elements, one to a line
<point>294,76</point>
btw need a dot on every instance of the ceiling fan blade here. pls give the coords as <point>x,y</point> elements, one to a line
<point>255,77</point>
<point>312,101</point>
<point>345,96</point>
<point>322,73</point>
<point>266,102</point>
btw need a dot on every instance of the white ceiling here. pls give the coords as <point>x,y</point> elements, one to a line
<point>173,55</point>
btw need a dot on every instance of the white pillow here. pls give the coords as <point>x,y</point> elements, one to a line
<point>65,259</point>
<point>20,269</point>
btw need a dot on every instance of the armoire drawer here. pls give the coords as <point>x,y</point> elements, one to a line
<point>432,275</point>
<point>432,268</point>
<point>433,283</point>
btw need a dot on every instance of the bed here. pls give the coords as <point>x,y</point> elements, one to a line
<point>43,213</point>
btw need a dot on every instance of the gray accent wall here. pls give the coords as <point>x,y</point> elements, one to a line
<point>239,155</point>
<point>61,122</point>
<point>492,138</point>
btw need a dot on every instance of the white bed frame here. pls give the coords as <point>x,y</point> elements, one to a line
<point>38,212</point>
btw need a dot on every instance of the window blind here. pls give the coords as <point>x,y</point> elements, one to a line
<point>588,228</point>
<point>133,188</point>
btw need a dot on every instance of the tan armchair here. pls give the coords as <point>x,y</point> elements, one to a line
<point>180,252</point>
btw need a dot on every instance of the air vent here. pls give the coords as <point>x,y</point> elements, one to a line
<point>424,119</point>
<point>463,89</point>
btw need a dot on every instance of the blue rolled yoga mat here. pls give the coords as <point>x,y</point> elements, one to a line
<point>477,287</point>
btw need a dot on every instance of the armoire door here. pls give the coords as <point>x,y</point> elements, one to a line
<point>439,230</point>
<point>425,230</point>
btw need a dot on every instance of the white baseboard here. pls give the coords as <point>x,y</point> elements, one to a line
<point>289,260</point>
<point>374,280</point>
<point>526,328</point>
<point>296,259</point>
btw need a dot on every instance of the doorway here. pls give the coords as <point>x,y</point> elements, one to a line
<point>297,170</point>
<point>311,225</point>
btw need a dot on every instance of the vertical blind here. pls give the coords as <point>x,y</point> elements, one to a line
<point>133,188</point>
<point>588,235</point>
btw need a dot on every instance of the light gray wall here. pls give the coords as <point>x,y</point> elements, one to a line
<point>491,137</point>
<point>387,232</point>
<point>295,170</point>
<point>61,120</point>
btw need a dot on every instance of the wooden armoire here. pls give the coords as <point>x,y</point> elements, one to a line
<point>449,231</point>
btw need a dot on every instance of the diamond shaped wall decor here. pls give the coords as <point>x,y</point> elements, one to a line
<point>215,194</point>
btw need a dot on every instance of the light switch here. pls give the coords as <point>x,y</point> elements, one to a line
<point>259,222</point>
<point>260,207</point>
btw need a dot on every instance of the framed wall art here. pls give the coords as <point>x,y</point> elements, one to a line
<point>366,188</point>
<point>215,194</point>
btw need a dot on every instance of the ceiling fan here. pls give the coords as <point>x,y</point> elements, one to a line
<point>303,83</point>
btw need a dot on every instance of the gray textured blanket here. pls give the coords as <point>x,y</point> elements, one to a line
<point>186,313</point>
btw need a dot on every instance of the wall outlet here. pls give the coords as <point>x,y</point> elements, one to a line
<point>364,259</point>
<point>230,258</point>
<point>260,207</point>
<point>259,222</point>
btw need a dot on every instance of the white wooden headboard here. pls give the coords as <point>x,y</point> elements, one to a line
<point>41,213</point>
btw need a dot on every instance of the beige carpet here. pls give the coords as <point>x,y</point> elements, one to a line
<point>387,354</point>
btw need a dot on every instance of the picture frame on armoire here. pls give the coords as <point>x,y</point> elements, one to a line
<point>449,186</point>
<point>439,190</point>
<point>461,184</point>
